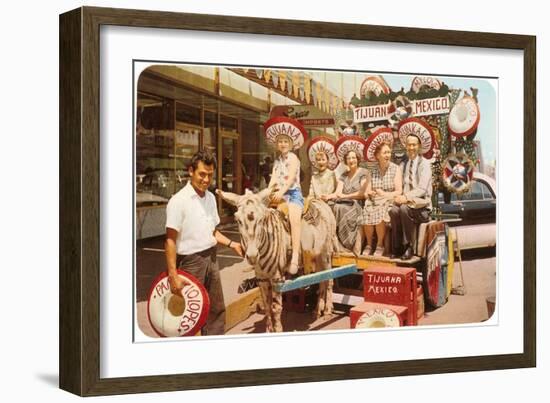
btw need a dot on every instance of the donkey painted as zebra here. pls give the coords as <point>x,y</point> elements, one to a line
<point>265,234</point>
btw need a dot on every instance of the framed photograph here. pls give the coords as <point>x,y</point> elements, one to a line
<point>399,148</point>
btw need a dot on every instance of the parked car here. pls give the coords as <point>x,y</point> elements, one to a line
<point>144,199</point>
<point>476,210</point>
<point>161,182</point>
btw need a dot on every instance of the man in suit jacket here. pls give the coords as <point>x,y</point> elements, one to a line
<point>415,204</point>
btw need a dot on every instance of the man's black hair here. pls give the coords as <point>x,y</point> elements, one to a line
<point>414,135</point>
<point>203,155</point>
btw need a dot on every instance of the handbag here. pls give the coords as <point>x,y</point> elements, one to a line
<point>417,202</point>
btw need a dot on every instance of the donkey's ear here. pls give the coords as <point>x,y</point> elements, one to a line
<point>229,197</point>
<point>265,195</point>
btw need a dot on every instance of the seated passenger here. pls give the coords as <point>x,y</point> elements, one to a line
<point>323,158</point>
<point>287,135</point>
<point>414,205</point>
<point>385,183</point>
<point>349,192</point>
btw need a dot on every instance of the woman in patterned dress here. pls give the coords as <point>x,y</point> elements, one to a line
<point>347,210</point>
<point>385,183</point>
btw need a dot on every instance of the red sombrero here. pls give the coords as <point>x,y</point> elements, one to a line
<point>464,117</point>
<point>420,129</point>
<point>381,135</point>
<point>346,144</point>
<point>174,315</point>
<point>379,317</point>
<point>375,84</point>
<point>425,81</point>
<point>282,125</point>
<point>325,145</point>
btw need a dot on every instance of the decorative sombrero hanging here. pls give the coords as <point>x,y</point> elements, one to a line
<point>346,144</point>
<point>420,129</point>
<point>464,117</point>
<point>374,84</point>
<point>282,125</point>
<point>173,315</point>
<point>379,317</point>
<point>381,135</point>
<point>325,145</point>
<point>422,82</point>
<point>458,173</point>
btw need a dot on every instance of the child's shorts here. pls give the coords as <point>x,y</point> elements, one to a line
<point>294,196</point>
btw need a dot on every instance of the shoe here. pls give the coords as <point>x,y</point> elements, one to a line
<point>396,254</point>
<point>408,254</point>
<point>379,251</point>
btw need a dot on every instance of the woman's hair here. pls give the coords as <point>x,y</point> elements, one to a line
<point>322,152</point>
<point>356,154</point>
<point>284,135</point>
<point>379,147</point>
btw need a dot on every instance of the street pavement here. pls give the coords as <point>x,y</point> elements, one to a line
<point>479,284</point>
<point>478,272</point>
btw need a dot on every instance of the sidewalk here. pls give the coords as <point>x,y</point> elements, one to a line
<point>479,278</point>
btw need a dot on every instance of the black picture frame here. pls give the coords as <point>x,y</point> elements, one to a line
<point>79,308</point>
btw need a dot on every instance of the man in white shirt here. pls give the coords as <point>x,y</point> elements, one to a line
<point>191,238</point>
<point>414,205</point>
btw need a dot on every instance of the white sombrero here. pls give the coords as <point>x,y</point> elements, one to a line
<point>464,117</point>
<point>345,144</point>
<point>420,82</point>
<point>325,145</point>
<point>378,317</point>
<point>374,84</point>
<point>458,173</point>
<point>177,315</point>
<point>420,129</point>
<point>282,125</point>
<point>381,135</point>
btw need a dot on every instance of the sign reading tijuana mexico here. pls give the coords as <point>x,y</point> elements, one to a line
<point>420,107</point>
<point>431,106</point>
<point>372,113</point>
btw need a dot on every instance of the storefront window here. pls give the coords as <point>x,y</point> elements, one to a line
<point>228,123</point>
<point>257,157</point>
<point>210,131</point>
<point>188,114</point>
<point>187,137</point>
<point>154,149</point>
<point>210,137</point>
<point>229,170</point>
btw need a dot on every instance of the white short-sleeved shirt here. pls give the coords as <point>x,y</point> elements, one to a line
<point>195,218</point>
